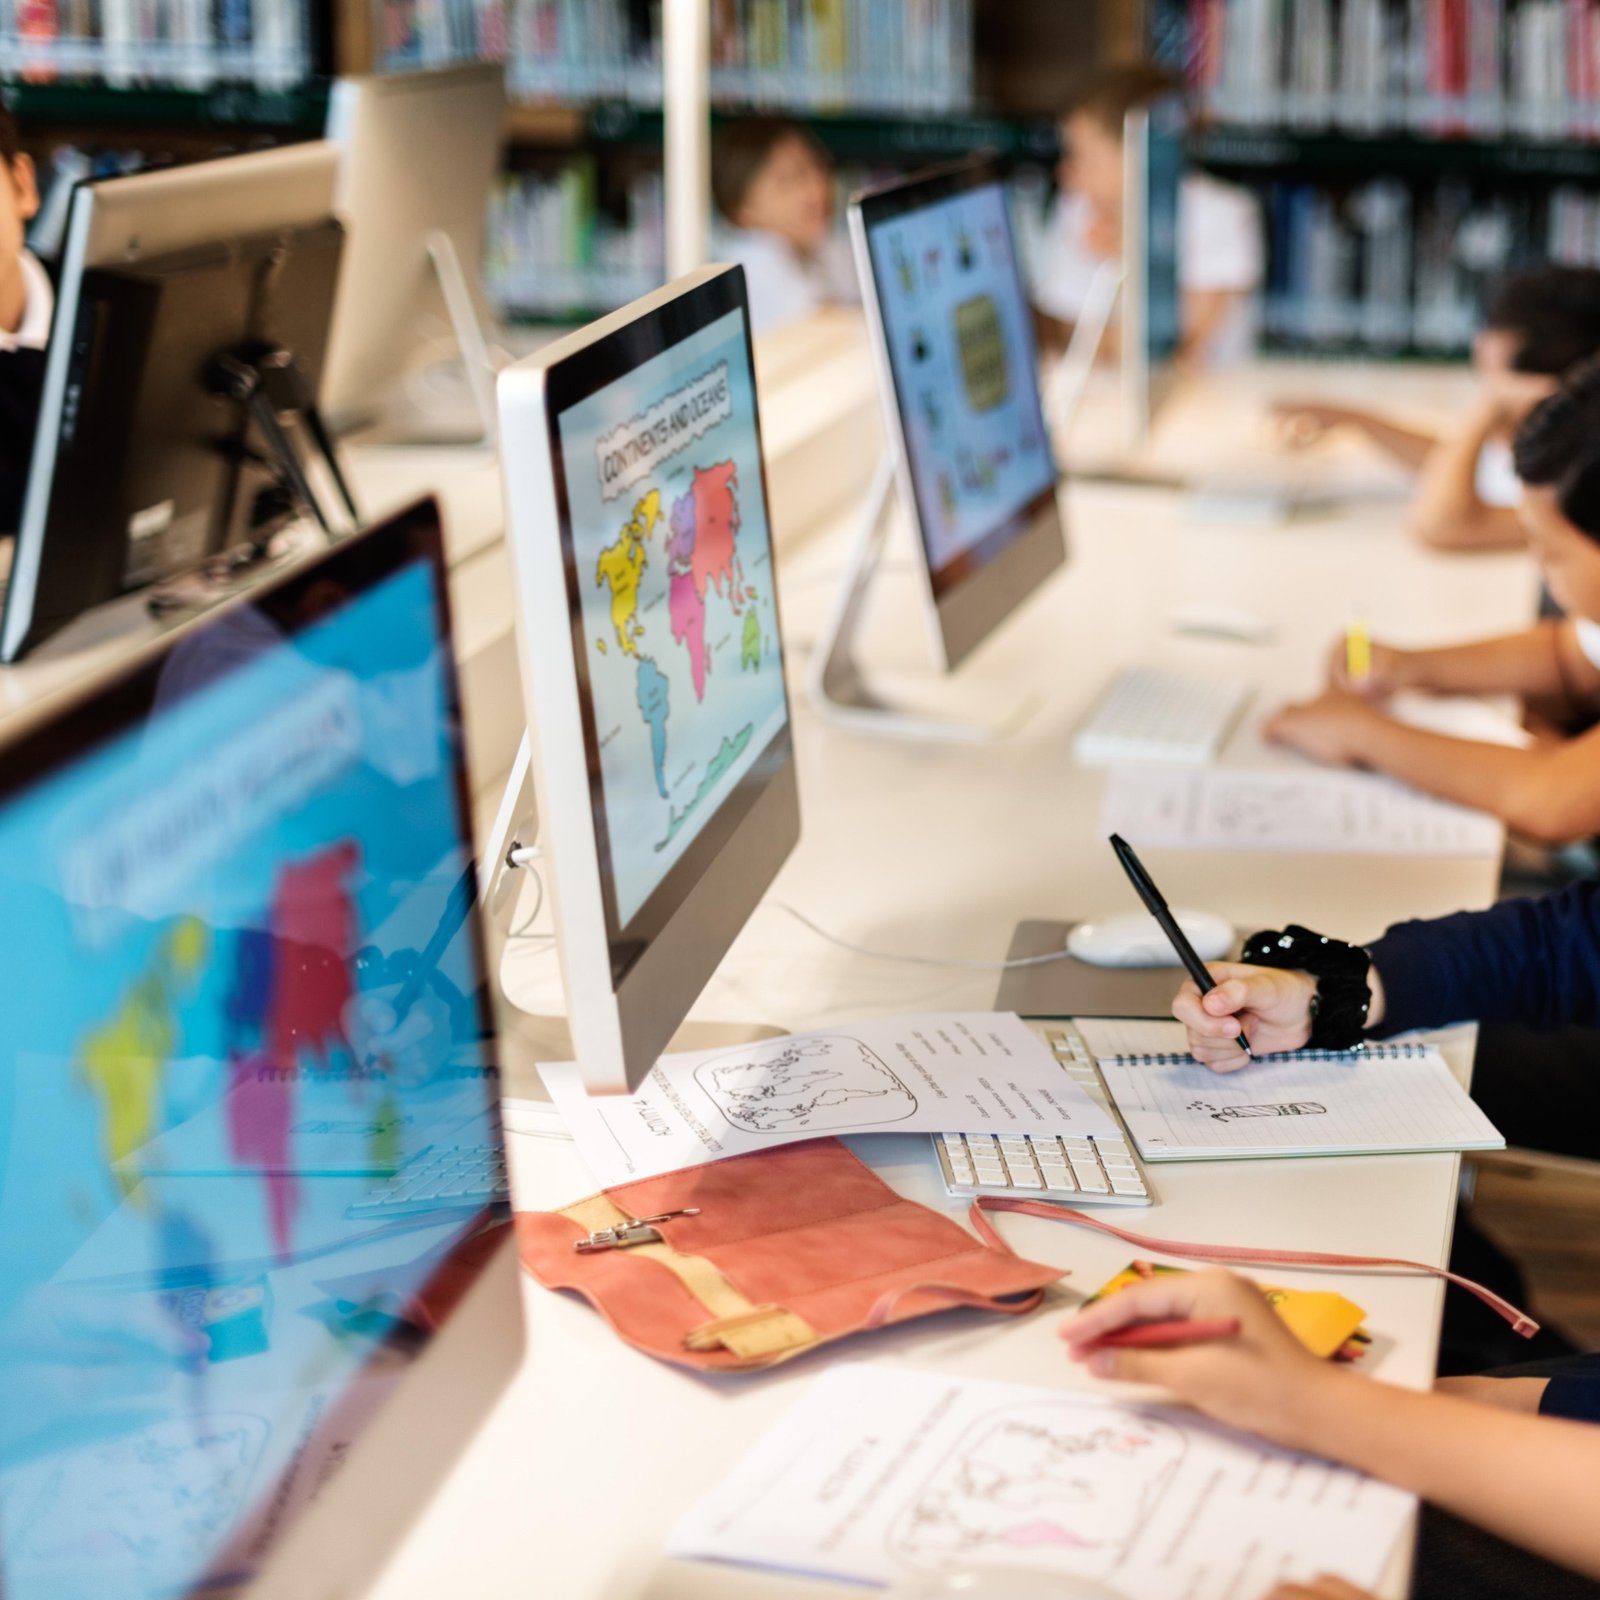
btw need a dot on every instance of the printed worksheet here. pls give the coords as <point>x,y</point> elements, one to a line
<point>977,1072</point>
<point>879,1473</point>
<point>1290,809</point>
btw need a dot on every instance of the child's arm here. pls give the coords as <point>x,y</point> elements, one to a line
<point>1543,660</point>
<point>1549,792</point>
<point>1447,513</point>
<point>1305,421</point>
<point>1529,1479</point>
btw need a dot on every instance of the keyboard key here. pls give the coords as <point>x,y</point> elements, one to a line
<point>1027,1180</point>
<point>1090,1178</point>
<point>1127,1183</point>
<point>1059,1178</point>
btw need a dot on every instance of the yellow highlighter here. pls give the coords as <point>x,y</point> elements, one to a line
<point>1357,651</point>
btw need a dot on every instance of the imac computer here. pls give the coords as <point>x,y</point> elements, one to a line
<point>652,658</point>
<point>233,1361</point>
<point>1152,307</point>
<point>418,151</point>
<point>952,333</point>
<point>144,463</point>
<point>1139,290</point>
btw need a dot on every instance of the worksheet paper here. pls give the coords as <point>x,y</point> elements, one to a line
<point>881,1473</point>
<point>978,1072</point>
<point>1290,809</point>
<point>1383,1099</point>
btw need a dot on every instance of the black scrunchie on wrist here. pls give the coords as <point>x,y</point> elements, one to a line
<point>1344,996</point>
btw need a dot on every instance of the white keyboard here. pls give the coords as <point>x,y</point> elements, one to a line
<point>440,1178</point>
<point>1152,714</point>
<point>1098,1169</point>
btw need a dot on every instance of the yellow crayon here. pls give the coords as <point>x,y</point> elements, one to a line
<point>1357,652</point>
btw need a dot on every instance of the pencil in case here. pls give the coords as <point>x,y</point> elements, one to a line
<point>786,1250</point>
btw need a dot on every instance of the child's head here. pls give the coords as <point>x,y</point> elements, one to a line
<point>1539,325</point>
<point>1091,130</point>
<point>774,176</point>
<point>1557,452</point>
<point>19,191</point>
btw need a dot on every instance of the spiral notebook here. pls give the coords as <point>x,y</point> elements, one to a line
<point>1385,1099</point>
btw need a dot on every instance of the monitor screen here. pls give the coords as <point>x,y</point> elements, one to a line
<point>959,335</point>
<point>1163,184</point>
<point>676,622</point>
<point>244,1020</point>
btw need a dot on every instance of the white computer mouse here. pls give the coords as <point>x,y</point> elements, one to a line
<point>1135,939</point>
<point>1001,1583</point>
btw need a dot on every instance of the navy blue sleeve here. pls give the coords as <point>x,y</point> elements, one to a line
<point>1530,961</point>
<point>1573,1395</point>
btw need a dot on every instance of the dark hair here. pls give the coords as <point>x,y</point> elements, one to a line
<point>10,136</point>
<point>1559,445</point>
<point>1109,93</point>
<point>741,149</point>
<point>1554,311</point>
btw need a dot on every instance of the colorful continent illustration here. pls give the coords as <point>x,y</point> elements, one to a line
<point>702,554</point>
<point>621,566</point>
<point>654,703</point>
<point>125,1061</point>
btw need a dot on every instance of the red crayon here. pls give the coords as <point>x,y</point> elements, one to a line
<point>1165,1335</point>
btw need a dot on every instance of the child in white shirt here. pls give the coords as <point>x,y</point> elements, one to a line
<point>773,187</point>
<point>1221,255</point>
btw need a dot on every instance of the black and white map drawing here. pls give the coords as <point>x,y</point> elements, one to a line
<point>1044,1486</point>
<point>822,1081</point>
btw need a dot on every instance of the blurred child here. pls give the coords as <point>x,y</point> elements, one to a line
<point>1539,325</point>
<point>27,303</point>
<point>1220,250</point>
<point>773,186</point>
<point>1550,790</point>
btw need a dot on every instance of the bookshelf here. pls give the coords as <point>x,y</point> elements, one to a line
<point>574,227</point>
<point>886,85</point>
<point>1404,151</point>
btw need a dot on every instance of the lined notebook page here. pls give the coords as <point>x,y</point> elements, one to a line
<point>1299,1105</point>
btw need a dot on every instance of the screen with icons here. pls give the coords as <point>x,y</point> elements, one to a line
<point>960,341</point>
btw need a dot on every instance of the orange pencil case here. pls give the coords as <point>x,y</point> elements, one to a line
<point>750,1261</point>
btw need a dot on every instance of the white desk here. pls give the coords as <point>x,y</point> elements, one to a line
<point>572,1485</point>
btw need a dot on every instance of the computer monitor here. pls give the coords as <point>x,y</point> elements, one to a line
<point>1152,308</point>
<point>245,999</point>
<point>652,657</point>
<point>953,336</point>
<point>418,153</point>
<point>134,474</point>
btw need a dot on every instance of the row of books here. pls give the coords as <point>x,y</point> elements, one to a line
<point>876,55</point>
<point>1456,68</point>
<point>551,251</point>
<point>189,44</point>
<point>1390,267</point>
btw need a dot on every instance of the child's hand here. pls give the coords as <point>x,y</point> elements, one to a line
<point>1329,728</point>
<point>1270,1006</point>
<point>1258,1379</point>
<point>1303,423</point>
<point>1386,674</point>
<point>1327,1587</point>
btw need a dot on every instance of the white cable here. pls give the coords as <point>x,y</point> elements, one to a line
<point>916,960</point>
<point>533,916</point>
<point>520,855</point>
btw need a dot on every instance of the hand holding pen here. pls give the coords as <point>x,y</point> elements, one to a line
<point>1155,903</point>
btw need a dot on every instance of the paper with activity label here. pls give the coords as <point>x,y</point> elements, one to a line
<point>1384,1099</point>
<point>880,1473</point>
<point>973,1072</point>
<point>1289,809</point>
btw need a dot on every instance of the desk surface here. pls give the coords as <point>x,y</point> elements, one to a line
<point>571,1487</point>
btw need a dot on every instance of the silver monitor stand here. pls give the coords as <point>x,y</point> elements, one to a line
<point>837,687</point>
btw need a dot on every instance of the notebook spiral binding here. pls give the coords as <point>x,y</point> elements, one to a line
<point>1378,1052</point>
